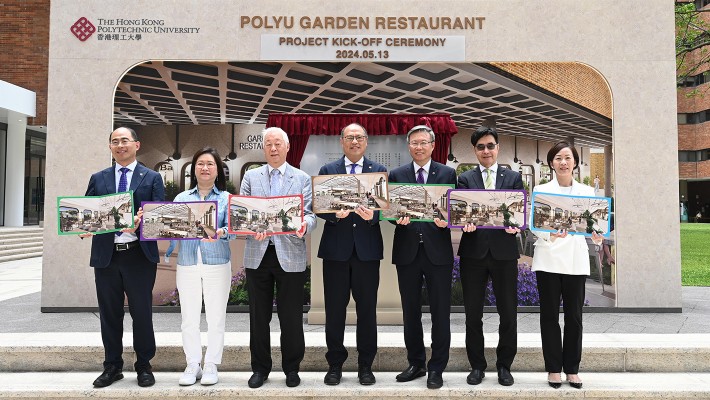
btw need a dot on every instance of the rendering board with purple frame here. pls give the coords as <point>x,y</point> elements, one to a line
<point>190,220</point>
<point>420,202</point>
<point>578,215</point>
<point>96,214</point>
<point>332,193</point>
<point>487,209</point>
<point>249,215</point>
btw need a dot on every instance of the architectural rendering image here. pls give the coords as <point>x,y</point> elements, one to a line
<point>497,209</point>
<point>273,215</point>
<point>95,214</point>
<point>417,201</point>
<point>332,193</point>
<point>575,214</point>
<point>179,220</point>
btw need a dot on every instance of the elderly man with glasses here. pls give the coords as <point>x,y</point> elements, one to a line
<point>351,249</point>
<point>422,252</point>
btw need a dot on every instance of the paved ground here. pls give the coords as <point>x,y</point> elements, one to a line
<point>20,285</point>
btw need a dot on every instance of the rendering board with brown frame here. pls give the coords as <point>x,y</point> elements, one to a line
<point>249,215</point>
<point>419,202</point>
<point>579,215</point>
<point>487,209</point>
<point>332,193</point>
<point>190,220</point>
<point>96,214</point>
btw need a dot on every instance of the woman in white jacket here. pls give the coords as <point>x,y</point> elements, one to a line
<point>561,265</point>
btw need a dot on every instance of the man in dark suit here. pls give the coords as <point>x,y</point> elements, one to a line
<point>489,253</point>
<point>422,251</point>
<point>351,249</point>
<point>124,265</point>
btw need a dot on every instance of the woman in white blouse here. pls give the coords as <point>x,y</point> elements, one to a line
<point>561,265</point>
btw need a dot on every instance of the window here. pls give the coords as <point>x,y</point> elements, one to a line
<point>682,119</point>
<point>687,156</point>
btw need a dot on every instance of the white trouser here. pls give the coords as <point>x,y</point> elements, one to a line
<point>212,281</point>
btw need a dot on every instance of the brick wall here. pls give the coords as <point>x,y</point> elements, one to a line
<point>573,81</point>
<point>698,102</point>
<point>24,49</point>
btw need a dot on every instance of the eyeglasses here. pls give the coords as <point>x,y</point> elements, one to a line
<point>359,138</point>
<point>489,146</point>
<point>201,165</point>
<point>122,142</point>
<point>419,144</point>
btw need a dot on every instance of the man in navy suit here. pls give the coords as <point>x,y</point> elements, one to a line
<point>124,265</point>
<point>489,253</point>
<point>351,249</point>
<point>422,252</point>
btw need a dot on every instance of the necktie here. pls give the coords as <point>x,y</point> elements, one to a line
<point>352,168</point>
<point>122,186</point>
<point>489,178</point>
<point>275,182</point>
<point>123,181</point>
<point>420,175</point>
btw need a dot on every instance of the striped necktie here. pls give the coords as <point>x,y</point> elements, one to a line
<point>489,178</point>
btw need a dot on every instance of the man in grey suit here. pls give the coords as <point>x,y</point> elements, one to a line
<point>277,260</point>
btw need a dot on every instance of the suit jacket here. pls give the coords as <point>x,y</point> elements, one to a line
<point>569,255</point>
<point>147,185</point>
<point>290,249</point>
<point>341,236</point>
<point>437,241</point>
<point>501,244</point>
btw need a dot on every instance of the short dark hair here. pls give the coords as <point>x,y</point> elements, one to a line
<point>342,131</point>
<point>484,131</point>
<point>557,147</point>
<point>134,135</point>
<point>221,181</point>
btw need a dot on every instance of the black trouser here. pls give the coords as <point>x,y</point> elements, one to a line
<point>561,354</point>
<point>132,274</point>
<point>339,278</point>
<point>438,286</point>
<point>504,276</point>
<point>289,306</point>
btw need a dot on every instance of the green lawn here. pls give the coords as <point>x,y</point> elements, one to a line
<point>695,254</point>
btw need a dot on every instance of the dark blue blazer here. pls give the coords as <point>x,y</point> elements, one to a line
<point>147,185</point>
<point>437,241</point>
<point>477,244</point>
<point>341,236</point>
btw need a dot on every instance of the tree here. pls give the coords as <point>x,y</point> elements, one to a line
<point>692,42</point>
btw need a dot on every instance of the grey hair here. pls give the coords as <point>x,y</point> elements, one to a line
<point>274,129</point>
<point>421,128</point>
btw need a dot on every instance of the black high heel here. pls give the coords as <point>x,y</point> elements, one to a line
<point>576,385</point>
<point>554,385</point>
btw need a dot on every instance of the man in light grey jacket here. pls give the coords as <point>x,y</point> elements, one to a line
<point>278,260</point>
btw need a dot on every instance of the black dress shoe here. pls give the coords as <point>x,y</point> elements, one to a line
<point>365,375</point>
<point>555,385</point>
<point>335,372</point>
<point>257,379</point>
<point>145,377</point>
<point>292,379</point>
<point>434,380</point>
<point>576,385</point>
<point>504,377</point>
<point>110,375</point>
<point>475,377</point>
<point>412,372</point>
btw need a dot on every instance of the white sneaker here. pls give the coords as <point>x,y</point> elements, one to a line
<point>209,375</point>
<point>191,375</point>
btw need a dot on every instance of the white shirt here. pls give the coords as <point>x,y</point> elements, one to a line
<point>358,165</point>
<point>426,167</point>
<point>125,237</point>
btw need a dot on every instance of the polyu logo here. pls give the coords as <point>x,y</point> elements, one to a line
<point>83,29</point>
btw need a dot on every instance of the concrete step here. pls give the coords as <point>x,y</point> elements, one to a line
<point>77,385</point>
<point>20,256</point>
<point>76,351</point>
<point>20,245</point>
<point>25,229</point>
<point>21,238</point>
<point>24,249</point>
